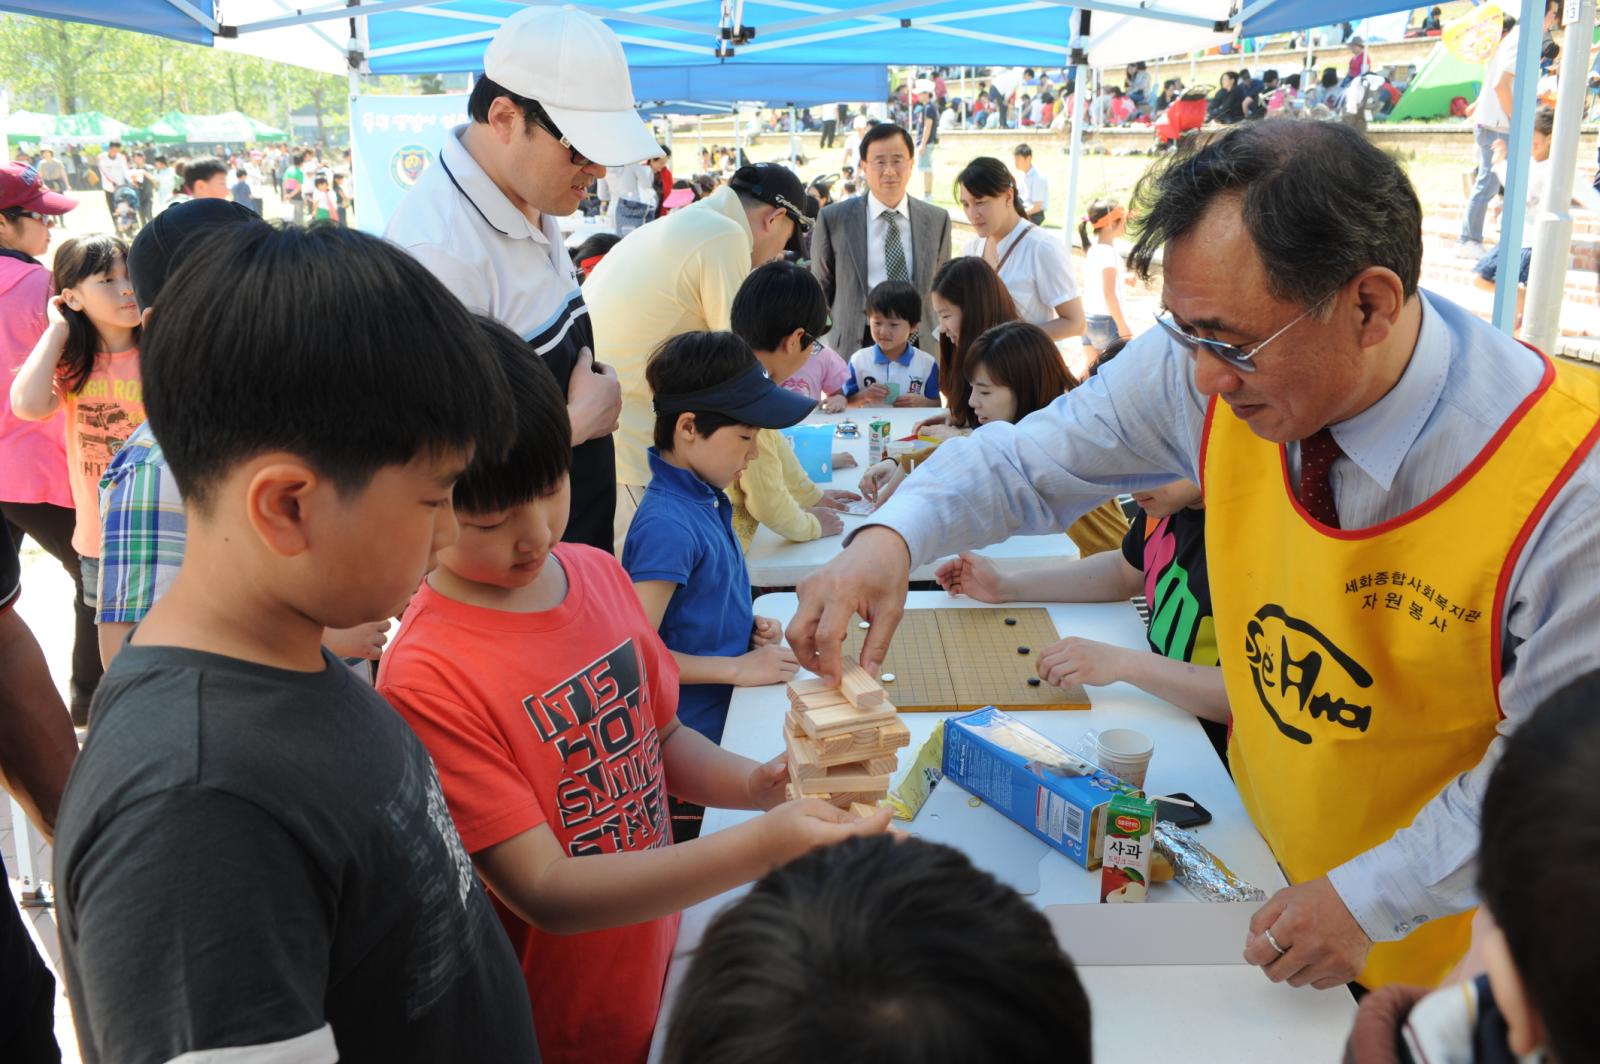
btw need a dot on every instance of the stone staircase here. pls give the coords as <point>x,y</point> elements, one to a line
<point>1451,276</point>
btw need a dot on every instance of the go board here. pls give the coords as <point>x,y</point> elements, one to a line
<point>953,660</point>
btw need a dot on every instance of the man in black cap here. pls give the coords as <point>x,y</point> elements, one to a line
<point>679,274</point>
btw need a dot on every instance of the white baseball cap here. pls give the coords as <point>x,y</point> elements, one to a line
<point>572,64</point>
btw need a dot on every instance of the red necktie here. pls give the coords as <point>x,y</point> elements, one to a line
<point>1317,455</point>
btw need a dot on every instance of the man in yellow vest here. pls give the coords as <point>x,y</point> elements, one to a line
<point>1400,529</point>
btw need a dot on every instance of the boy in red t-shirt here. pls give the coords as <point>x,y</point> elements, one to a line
<point>548,702</point>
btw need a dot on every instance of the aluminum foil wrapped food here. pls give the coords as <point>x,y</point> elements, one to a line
<point>1199,870</point>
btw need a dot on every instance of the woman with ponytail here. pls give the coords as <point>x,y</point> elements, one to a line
<point>1102,289</point>
<point>1034,266</point>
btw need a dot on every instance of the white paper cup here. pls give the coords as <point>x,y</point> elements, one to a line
<point>1124,753</point>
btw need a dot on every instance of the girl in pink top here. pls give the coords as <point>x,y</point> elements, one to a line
<point>34,496</point>
<point>34,465</point>
<point>822,377</point>
<point>87,365</point>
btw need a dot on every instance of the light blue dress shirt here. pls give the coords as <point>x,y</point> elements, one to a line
<point>1138,424</point>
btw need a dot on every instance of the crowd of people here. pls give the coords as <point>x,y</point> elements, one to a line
<point>142,180</point>
<point>548,465</point>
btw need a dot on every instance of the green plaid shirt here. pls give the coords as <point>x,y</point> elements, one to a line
<point>141,518</point>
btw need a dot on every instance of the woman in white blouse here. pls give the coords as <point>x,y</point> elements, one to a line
<point>1035,266</point>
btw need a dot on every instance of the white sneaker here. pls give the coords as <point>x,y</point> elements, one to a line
<point>1471,249</point>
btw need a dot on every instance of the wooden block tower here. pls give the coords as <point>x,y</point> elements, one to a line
<point>842,740</point>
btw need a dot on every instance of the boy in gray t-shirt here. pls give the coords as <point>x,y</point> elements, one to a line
<point>253,851</point>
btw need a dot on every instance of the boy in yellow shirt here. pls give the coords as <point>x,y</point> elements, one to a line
<point>779,311</point>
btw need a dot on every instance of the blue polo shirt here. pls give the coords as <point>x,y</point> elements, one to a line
<point>683,533</point>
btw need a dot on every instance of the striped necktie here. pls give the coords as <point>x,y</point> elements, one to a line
<point>894,249</point>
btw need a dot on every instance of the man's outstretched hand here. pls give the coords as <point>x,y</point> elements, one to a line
<point>868,580</point>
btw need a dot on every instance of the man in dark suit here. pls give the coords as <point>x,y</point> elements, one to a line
<point>884,235</point>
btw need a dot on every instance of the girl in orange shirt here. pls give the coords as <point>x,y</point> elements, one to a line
<point>87,363</point>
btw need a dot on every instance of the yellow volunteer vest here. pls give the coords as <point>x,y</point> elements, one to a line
<point>1363,665</point>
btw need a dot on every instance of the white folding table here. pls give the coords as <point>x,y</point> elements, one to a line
<point>1164,1006</point>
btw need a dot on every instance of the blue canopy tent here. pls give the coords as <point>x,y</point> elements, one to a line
<point>802,86</point>
<point>774,51</point>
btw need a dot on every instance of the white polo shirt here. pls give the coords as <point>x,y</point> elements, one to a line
<point>458,224</point>
<point>1035,189</point>
<point>1038,271</point>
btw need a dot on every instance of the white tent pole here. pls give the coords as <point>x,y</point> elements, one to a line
<point>358,45</point>
<point>1552,233</point>
<point>1069,215</point>
<point>794,133</point>
<point>1524,99</point>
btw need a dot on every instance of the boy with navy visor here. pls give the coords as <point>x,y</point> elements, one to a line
<point>710,397</point>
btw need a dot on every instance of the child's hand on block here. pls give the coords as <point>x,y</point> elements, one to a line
<point>767,782</point>
<point>764,665</point>
<point>974,576</point>
<point>915,400</point>
<point>827,519</point>
<point>765,632</point>
<point>797,827</point>
<point>1082,661</point>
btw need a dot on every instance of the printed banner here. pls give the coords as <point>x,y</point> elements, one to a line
<point>1473,37</point>
<point>395,139</point>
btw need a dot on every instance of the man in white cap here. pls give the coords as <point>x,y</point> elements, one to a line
<point>552,111</point>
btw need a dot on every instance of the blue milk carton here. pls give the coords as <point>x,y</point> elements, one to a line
<point>1057,795</point>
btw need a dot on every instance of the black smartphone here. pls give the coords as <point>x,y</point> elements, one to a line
<point>1181,815</point>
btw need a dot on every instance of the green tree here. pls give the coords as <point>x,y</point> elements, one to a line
<point>69,67</point>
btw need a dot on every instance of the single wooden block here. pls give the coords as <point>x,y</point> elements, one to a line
<point>845,801</point>
<point>862,809</point>
<point>814,686</point>
<point>844,778</point>
<point>859,687</point>
<point>832,720</point>
<point>821,700</point>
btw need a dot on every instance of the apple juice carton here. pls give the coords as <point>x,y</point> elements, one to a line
<point>1125,864</point>
<point>877,440</point>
